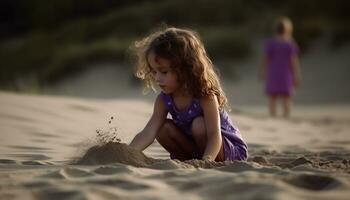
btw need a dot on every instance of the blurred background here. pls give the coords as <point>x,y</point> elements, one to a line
<point>82,47</point>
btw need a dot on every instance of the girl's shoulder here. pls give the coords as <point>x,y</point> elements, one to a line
<point>208,100</point>
<point>291,45</point>
<point>271,42</point>
<point>294,43</point>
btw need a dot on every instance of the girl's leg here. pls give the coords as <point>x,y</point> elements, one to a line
<point>199,134</point>
<point>287,104</point>
<point>175,142</point>
<point>272,105</point>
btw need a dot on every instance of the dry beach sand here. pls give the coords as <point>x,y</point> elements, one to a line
<point>50,150</point>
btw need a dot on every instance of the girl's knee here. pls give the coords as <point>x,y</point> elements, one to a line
<point>165,130</point>
<point>198,127</point>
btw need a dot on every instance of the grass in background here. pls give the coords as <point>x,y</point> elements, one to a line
<point>56,39</point>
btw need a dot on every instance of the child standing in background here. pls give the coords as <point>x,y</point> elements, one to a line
<point>199,128</point>
<point>280,68</point>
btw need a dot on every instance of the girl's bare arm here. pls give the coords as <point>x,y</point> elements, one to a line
<point>295,70</point>
<point>145,138</point>
<point>210,107</point>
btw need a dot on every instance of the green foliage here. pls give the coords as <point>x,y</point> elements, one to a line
<point>225,43</point>
<point>52,39</point>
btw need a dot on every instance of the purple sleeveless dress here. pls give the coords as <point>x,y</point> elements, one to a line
<point>279,78</point>
<point>234,146</point>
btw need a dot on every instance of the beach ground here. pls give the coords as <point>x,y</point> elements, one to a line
<point>42,137</point>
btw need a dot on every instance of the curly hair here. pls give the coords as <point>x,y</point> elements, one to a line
<point>188,58</point>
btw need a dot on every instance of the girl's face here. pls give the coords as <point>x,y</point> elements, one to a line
<point>162,73</point>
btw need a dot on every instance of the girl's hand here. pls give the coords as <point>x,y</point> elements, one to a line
<point>207,158</point>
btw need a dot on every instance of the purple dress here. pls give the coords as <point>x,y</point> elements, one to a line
<point>279,78</point>
<point>234,146</point>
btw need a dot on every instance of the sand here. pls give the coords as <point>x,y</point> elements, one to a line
<point>113,152</point>
<point>49,149</point>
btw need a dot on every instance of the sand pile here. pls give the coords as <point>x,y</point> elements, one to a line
<point>113,152</point>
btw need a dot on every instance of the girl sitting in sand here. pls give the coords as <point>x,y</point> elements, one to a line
<point>199,128</point>
<point>280,68</point>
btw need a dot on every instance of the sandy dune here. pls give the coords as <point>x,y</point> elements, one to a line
<point>43,137</point>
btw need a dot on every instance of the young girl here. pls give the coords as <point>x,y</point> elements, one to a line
<point>199,128</point>
<point>281,67</point>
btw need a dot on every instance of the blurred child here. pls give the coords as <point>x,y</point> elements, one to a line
<point>199,128</point>
<point>280,68</point>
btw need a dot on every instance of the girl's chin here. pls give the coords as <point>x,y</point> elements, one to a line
<point>165,91</point>
<point>168,90</point>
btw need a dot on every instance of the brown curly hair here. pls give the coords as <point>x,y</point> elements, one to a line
<point>188,59</point>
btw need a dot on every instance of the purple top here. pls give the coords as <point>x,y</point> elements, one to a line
<point>279,78</point>
<point>183,120</point>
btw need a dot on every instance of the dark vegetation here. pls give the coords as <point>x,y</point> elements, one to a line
<point>47,40</point>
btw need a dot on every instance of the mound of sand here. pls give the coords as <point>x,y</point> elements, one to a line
<point>113,152</point>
